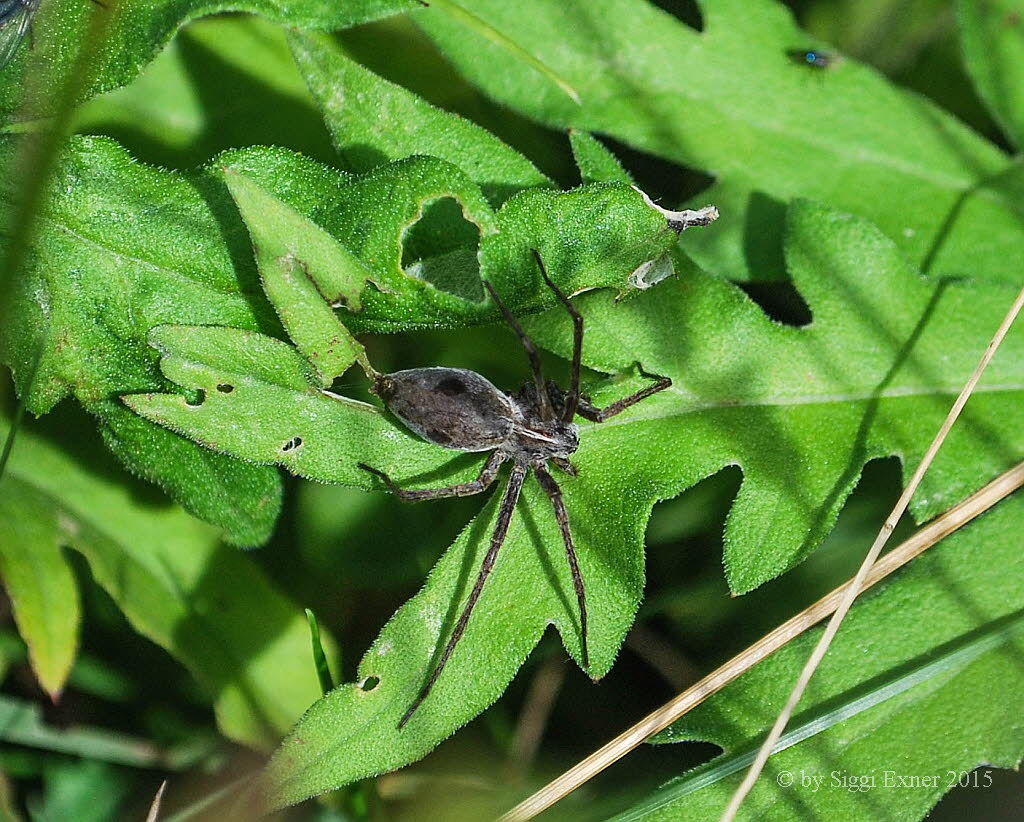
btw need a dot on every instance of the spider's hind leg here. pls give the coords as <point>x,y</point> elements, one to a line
<point>508,504</point>
<point>466,489</point>
<point>531,352</point>
<point>547,482</point>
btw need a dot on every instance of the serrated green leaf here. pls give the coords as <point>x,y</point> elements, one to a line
<point>38,582</point>
<point>953,722</point>
<point>304,272</point>
<point>288,420</point>
<point>373,121</point>
<point>799,409</point>
<point>136,30</point>
<point>177,586</point>
<point>992,38</point>
<point>729,100</point>
<point>121,248</point>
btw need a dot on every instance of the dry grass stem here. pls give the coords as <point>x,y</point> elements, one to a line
<point>671,711</point>
<point>850,594</point>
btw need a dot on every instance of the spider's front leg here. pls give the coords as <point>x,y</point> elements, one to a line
<point>466,489</point>
<point>588,411</point>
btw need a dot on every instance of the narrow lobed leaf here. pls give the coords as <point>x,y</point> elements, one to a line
<point>373,121</point>
<point>37,579</point>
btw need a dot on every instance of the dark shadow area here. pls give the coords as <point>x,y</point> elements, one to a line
<point>780,301</point>
<point>666,182</point>
<point>685,11</point>
<point>977,798</point>
<point>238,110</point>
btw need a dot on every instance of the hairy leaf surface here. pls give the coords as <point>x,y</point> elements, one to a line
<point>799,409</point>
<point>731,101</point>
<point>133,32</point>
<point>123,248</point>
<point>373,121</point>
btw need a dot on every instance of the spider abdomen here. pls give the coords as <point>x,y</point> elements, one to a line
<point>451,407</point>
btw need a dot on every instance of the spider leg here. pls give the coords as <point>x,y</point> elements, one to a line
<point>573,397</point>
<point>565,465</point>
<point>547,482</point>
<point>467,489</point>
<point>508,504</point>
<point>546,411</point>
<point>593,414</point>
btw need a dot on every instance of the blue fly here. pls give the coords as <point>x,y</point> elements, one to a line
<point>814,59</point>
<point>15,19</point>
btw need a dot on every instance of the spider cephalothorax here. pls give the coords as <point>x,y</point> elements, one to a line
<point>462,411</point>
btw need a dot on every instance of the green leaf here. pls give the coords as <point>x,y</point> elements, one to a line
<point>595,162</point>
<point>950,659</point>
<point>373,121</point>
<point>954,612</point>
<point>729,100</point>
<point>85,791</point>
<point>992,38</point>
<point>176,584</point>
<point>320,663</point>
<point>222,82</point>
<point>800,410</point>
<point>304,272</point>
<point>121,248</point>
<point>39,582</point>
<point>22,723</point>
<point>288,419</point>
<point>136,30</point>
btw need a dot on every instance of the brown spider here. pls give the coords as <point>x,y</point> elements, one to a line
<point>460,410</point>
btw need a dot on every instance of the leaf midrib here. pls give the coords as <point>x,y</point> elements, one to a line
<point>667,410</point>
<point>128,258</point>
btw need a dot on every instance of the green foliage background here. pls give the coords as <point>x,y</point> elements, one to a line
<point>164,314</point>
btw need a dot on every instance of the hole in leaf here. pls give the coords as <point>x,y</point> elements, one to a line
<point>225,388</point>
<point>370,683</point>
<point>441,247</point>
<point>292,444</point>
<point>197,399</point>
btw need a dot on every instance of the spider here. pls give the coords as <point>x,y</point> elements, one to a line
<point>462,411</point>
